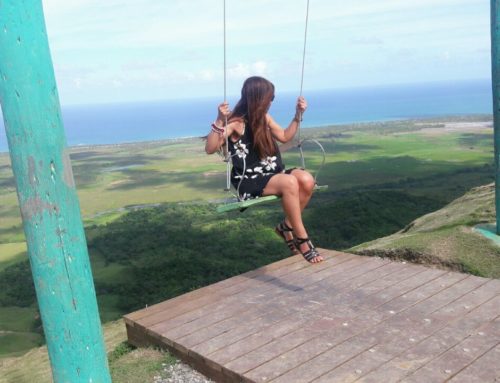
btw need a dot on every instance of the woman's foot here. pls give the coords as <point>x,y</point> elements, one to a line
<point>307,249</point>
<point>286,232</point>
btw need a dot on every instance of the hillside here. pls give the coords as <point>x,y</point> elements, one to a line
<point>446,237</point>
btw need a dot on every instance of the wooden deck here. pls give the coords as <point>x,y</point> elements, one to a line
<point>348,319</point>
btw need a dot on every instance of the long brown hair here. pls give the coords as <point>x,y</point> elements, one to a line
<point>256,96</point>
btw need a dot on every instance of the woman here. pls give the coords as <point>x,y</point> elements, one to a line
<point>257,166</point>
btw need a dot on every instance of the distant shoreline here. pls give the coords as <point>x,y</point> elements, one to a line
<point>469,118</point>
<point>131,143</point>
<point>136,143</point>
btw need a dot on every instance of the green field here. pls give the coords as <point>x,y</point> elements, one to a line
<point>381,176</point>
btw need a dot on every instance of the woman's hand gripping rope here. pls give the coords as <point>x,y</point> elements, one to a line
<point>300,108</point>
<point>223,114</point>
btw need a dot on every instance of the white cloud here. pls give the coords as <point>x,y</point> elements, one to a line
<point>243,70</point>
<point>239,71</point>
<point>260,68</point>
<point>207,75</point>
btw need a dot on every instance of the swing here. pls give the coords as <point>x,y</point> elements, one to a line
<point>236,203</point>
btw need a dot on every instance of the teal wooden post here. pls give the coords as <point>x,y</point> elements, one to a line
<point>495,67</point>
<point>47,197</point>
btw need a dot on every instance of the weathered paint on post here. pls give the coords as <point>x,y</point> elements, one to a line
<point>495,67</point>
<point>47,196</point>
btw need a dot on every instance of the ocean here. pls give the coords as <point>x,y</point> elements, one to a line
<point>158,120</point>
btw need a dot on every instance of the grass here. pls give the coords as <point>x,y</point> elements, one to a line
<point>16,334</point>
<point>11,253</point>
<point>17,318</point>
<point>131,367</point>
<point>16,343</point>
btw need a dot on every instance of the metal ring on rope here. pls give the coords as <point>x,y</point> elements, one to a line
<point>301,143</point>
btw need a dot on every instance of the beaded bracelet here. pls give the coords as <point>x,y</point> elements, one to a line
<point>217,129</point>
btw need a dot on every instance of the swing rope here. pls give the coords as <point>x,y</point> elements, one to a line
<point>302,160</point>
<point>304,51</point>
<point>227,156</point>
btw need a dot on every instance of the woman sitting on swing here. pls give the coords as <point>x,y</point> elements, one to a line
<point>257,166</point>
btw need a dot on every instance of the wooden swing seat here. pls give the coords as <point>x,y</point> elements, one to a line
<point>242,205</point>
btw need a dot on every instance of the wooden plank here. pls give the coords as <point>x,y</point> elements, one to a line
<point>446,337</point>
<point>483,369</point>
<point>485,312</point>
<point>405,271</point>
<point>422,277</point>
<point>453,360</point>
<point>447,296</point>
<point>324,362</point>
<point>256,291</point>
<point>487,290</point>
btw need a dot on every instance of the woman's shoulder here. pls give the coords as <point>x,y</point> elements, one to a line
<point>235,128</point>
<point>237,125</point>
<point>269,118</point>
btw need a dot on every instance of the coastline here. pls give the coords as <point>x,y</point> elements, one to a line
<point>147,143</point>
<point>484,120</point>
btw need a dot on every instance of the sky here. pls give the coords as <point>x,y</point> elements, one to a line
<point>125,51</point>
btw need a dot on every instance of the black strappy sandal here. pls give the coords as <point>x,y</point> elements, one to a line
<point>283,228</point>
<point>311,253</point>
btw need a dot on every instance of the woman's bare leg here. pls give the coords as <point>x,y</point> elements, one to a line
<point>306,186</point>
<point>287,187</point>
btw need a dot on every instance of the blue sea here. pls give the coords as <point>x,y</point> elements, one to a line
<point>133,122</point>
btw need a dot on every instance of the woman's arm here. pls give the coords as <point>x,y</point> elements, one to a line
<point>217,136</point>
<point>285,135</point>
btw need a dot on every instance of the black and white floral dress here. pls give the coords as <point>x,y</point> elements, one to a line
<point>257,171</point>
